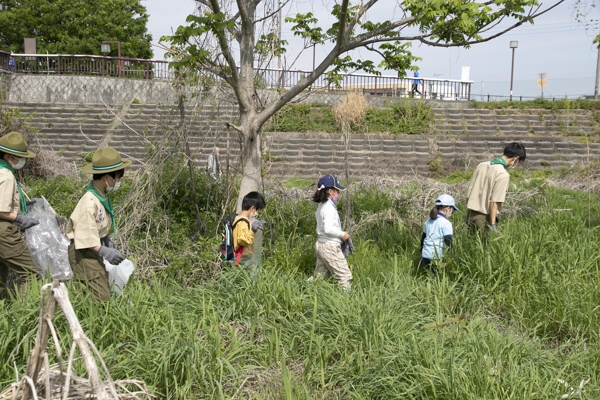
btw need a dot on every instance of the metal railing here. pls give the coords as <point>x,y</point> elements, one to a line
<point>136,68</point>
<point>375,85</point>
<point>64,64</point>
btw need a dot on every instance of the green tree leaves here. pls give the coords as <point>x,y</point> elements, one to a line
<point>76,26</point>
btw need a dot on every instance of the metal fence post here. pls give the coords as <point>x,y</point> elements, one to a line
<point>58,65</point>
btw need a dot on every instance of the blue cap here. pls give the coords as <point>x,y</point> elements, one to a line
<point>329,181</point>
<point>445,200</point>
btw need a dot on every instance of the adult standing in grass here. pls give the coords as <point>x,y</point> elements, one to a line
<point>330,259</point>
<point>437,232</point>
<point>488,187</point>
<point>14,254</point>
<point>92,222</point>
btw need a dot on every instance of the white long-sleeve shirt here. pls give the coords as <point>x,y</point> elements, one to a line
<point>329,227</point>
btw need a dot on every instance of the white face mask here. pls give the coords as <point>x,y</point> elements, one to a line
<point>20,164</point>
<point>113,188</point>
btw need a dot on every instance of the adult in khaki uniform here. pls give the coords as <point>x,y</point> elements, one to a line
<point>14,254</point>
<point>92,223</point>
<point>488,187</point>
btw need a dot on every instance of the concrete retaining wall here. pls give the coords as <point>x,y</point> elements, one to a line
<point>75,89</point>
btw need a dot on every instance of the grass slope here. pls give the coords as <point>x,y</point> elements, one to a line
<point>508,318</point>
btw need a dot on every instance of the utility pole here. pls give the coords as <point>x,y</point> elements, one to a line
<point>597,76</point>
<point>513,45</point>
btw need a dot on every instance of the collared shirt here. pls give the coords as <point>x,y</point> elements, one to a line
<point>9,194</point>
<point>488,184</point>
<point>88,223</point>
<point>329,227</point>
<point>435,231</point>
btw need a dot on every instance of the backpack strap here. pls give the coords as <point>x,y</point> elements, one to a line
<point>241,219</point>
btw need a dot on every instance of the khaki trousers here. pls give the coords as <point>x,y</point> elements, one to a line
<point>331,261</point>
<point>88,270</point>
<point>14,256</point>
<point>476,220</point>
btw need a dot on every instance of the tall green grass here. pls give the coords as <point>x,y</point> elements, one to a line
<point>508,317</point>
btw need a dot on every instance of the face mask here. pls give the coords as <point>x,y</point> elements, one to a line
<point>335,197</point>
<point>20,164</point>
<point>115,187</point>
<point>514,164</point>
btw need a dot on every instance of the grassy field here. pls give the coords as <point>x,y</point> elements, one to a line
<point>515,316</point>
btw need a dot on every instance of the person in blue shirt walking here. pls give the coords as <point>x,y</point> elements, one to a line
<point>437,232</point>
<point>415,84</point>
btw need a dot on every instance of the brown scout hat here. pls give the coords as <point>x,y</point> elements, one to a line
<point>13,143</point>
<point>104,160</point>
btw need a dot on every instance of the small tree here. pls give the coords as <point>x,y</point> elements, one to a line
<point>230,38</point>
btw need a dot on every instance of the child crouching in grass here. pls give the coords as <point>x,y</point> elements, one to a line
<point>330,259</point>
<point>437,232</point>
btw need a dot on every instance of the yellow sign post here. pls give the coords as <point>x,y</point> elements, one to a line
<point>541,81</point>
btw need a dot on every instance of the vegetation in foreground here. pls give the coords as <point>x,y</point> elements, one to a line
<point>553,105</point>
<point>513,318</point>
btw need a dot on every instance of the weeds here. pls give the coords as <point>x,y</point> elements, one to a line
<point>407,117</point>
<point>514,316</point>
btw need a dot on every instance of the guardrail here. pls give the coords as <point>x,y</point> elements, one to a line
<point>375,85</point>
<point>137,68</point>
<point>73,64</point>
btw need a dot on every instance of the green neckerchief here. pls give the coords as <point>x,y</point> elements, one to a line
<point>107,205</point>
<point>22,201</point>
<point>500,161</point>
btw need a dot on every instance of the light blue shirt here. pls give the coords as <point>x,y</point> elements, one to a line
<point>435,231</point>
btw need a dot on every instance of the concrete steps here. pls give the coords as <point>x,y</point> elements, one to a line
<point>459,139</point>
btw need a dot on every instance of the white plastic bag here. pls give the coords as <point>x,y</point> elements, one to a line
<point>118,275</point>
<point>47,245</point>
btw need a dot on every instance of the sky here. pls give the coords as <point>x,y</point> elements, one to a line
<point>556,44</point>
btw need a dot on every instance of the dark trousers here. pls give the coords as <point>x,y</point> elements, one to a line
<point>14,255</point>
<point>88,270</point>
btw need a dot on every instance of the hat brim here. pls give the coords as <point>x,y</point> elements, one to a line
<point>340,187</point>
<point>29,154</point>
<point>89,168</point>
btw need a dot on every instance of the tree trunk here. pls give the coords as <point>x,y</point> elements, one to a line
<point>251,164</point>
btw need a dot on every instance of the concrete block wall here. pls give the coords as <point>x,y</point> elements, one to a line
<point>75,130</point>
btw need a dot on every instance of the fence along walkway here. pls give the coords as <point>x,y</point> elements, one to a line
<point>137,68</point>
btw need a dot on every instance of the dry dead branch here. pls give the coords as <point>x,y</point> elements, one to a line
<point>60,383</point>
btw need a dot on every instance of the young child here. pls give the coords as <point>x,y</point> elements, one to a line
<point>330,259</point>
<point>437,232</point>
<point>244,232</point>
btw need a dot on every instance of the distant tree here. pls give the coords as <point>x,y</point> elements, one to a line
<point>229,38</point>
<point>75,26</point>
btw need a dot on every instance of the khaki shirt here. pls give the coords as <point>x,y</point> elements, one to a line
<point>488,184</point>
<point>88,223</point>
<point>10,201</point>
<point>243,236</point>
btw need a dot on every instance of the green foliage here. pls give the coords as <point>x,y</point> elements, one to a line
<point>65,27</point>
<point>300,183</point>
<point>512,316</point>
<point>564,104</point>
<point>404,117</point>
<point>457,177</point>
<point>303,118</point>
<point>62,193</point>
